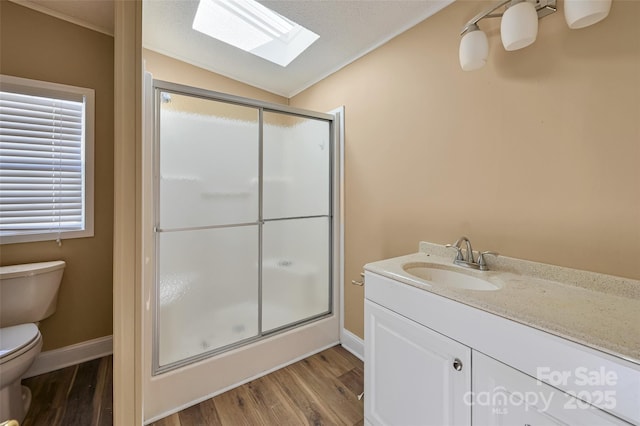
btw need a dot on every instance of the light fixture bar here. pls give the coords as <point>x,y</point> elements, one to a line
<point>543,8</point>
<point>473,22</point>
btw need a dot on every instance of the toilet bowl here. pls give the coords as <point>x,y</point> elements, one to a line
<point>28,294</point>
<point>19,347</point>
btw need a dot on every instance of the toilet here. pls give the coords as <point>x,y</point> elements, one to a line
<point>28,294</point>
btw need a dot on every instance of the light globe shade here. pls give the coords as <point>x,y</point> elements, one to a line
<point>582,13</point>
<point>519,26</point>
<point>474,50</point>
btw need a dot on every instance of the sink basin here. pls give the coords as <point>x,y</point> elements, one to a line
<point>451,277</point>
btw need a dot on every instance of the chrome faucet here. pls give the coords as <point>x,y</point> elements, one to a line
<point>459,255</point>
<point>469,262</point>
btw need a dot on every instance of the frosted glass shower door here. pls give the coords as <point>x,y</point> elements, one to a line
<point>208,162</point>
<point>208,291</point>
<point>207,226</point>
<point>297,166</point>
<point>296,238</point>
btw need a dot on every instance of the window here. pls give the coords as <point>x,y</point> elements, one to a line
<point>46,160</point>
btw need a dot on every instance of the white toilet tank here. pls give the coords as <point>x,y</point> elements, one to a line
<point>29,292</point>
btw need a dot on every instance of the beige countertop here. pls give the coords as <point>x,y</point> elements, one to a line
<point>596,310</point>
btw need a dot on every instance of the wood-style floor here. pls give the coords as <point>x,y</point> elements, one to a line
<point>320,390</point>
<point>78,395</point>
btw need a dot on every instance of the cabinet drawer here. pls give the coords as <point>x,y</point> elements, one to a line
<point>505,396</point>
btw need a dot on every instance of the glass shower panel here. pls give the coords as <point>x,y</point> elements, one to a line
<point>295,271</point>
<point>208,292</point>
<point>296,166</point>
<point>208,162</point>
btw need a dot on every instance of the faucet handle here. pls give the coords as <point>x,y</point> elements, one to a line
<point>482,264</point>
<point>458,251</point>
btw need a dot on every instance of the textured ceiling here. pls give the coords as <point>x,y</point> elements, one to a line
<point>348,29</point>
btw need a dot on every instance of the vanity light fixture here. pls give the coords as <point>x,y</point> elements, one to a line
<point>519,25</point>
<point>582,13</point>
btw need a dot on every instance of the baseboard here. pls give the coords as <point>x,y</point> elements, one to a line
<point>352,343</point>
<point>56,359</point>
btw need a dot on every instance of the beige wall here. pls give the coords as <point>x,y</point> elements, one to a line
<point>165,68</point>
<point>37,46</point>
<point>535,156</point>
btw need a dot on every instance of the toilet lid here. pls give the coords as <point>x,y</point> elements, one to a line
<point>16,337</point>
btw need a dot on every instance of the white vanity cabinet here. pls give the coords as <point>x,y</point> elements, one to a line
<point>430,360</point>
<point>414,375</point>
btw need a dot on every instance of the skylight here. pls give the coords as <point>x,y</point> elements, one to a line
<point>250,26</point>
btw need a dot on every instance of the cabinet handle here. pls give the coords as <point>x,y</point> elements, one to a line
<point>457,364</point>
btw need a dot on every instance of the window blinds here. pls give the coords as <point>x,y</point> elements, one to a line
<point>41,164</point>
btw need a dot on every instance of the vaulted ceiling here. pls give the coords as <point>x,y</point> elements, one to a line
<point>348,29</point>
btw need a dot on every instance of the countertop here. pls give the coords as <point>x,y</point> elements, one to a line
<point>597,310</point>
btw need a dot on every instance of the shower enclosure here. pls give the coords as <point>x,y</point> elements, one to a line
<point>244,233</point>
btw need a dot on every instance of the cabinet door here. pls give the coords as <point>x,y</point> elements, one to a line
<point>505,396</point>
<point>410,378</point>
